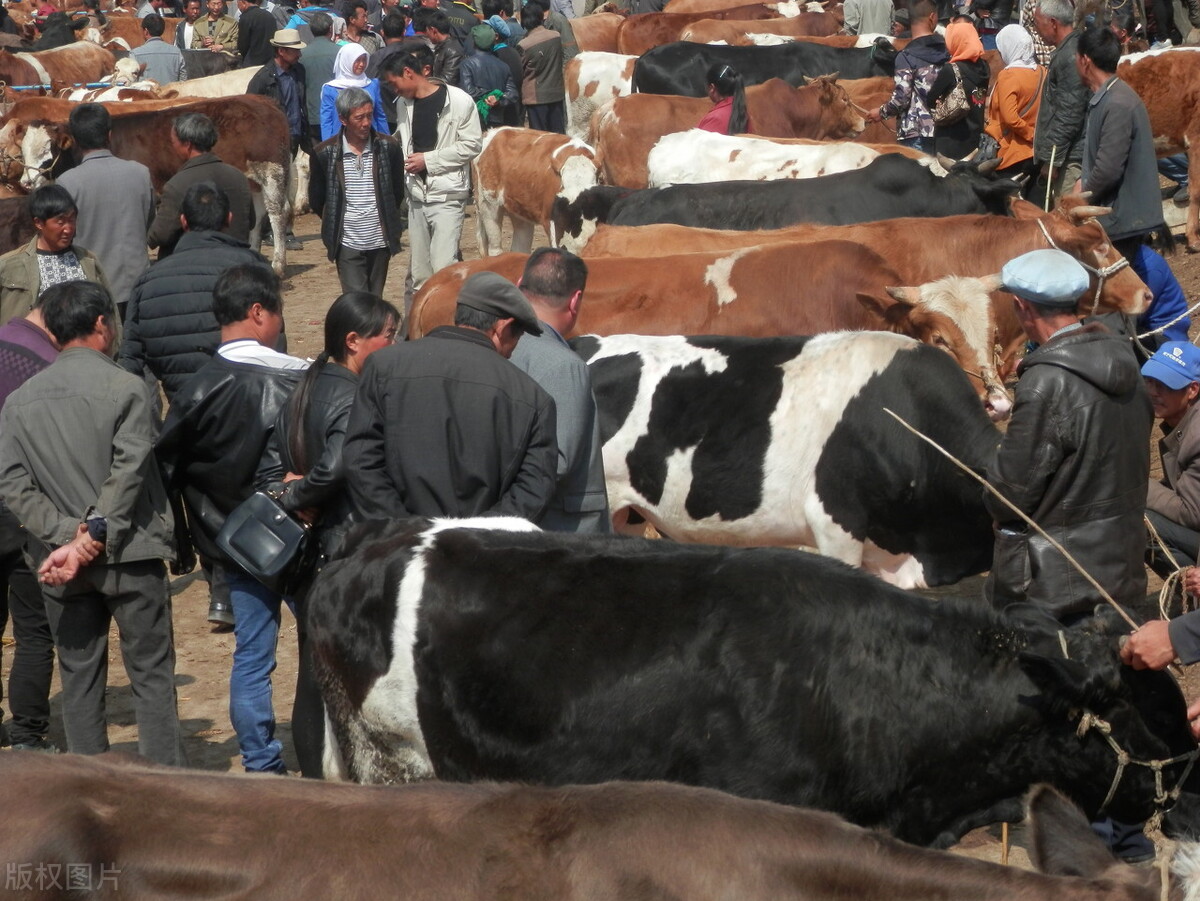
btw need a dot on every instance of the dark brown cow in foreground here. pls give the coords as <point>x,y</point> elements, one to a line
<point>36,144</point>
<point>119,829</point>
<point>625,130</point>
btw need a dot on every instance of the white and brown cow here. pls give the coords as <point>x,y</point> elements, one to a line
<point>697,156</point>
<point>519,173</point>
<point>36,145</point>
<point>592,79</point>
<point>81,62</point>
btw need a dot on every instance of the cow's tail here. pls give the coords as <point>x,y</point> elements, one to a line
<point>333,763</point>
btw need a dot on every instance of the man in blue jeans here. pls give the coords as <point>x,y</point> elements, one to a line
<point>210,447</point>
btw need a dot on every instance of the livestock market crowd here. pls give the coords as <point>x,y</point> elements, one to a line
<point>972,181</point>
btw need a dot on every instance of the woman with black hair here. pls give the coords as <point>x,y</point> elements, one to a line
<point>726,90</point>
<point>303,467</point>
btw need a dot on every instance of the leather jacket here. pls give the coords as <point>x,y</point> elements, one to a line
<point>324,483</point>
<point>214,438</point>
<point>1076,459</point>
<point>327,189</point>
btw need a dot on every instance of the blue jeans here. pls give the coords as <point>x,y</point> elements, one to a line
<point>1175,168</point>
<point>256,611</point>
<point>925,145</point>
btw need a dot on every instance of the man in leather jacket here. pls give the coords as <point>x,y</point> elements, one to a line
<point>211,444</point>
<point>1076,454</point>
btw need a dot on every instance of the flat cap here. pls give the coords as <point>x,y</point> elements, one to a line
<point>1048,278</point>
<point>488,292</point>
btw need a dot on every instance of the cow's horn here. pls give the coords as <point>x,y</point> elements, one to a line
<point>946,162</point>
<point>987,167</point>
<point>1082,212</point>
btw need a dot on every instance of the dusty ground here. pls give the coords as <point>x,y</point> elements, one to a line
<point>204,657</point>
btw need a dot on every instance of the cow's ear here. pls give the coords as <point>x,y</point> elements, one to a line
<point>897,305</point>
<point>1068,684</point>
<point>63,138</point>
<point>1061,840</point>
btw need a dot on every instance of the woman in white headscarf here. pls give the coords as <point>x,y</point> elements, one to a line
<point>349,68</point>
<point>1013,106</point>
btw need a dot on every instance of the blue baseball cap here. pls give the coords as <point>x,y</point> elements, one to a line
<point>1176,364</point>
<point>1048,278</point>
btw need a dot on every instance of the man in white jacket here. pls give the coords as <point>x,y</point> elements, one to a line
<point>439,130</point>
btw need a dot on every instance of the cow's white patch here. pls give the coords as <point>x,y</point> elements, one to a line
<point>788,9</point>
<point>720,276</point>
<point>30,58</point>
<point>333,767</point>
<point>389,711</point>
<point>868,40</point>
<point>1132,58</point>
<point>37,151</point>
<point>272,179</point>
<point>901,570</point>
<point>226,84</point>
<point>697,156</point>
<point>768,40</point>
<point>1185,866</point>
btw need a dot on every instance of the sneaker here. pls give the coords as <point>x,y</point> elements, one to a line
<point>42,745</point>
<point>220,613</point>
<point>1181,198</point>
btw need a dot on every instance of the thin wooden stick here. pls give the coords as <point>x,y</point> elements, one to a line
<point>1021,513</point>
<point>1004,843</point>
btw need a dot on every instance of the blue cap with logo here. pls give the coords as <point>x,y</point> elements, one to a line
<point>1048,278</point>
<point>1176,364</point>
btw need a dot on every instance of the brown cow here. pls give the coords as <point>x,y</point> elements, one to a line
<point>922,250</point>
<point>520,172</point>
<point>16,227</point>
<point>129,29</point>
<point>812,25</point>
<point>116,828</point>
<point>591,80</point>
<point>79,63</point>
<point>625,130</point>
<point>1169,85</point>
<point>34,136</point>
<point>869,94</point>
<point>644,31</point>
<point>597,31</point>
<point>758,292</point>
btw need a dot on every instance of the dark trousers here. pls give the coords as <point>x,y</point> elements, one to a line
<point>33,657</point>
<point>1182,542</point>
<point>548,117</point>
<point>363,270</point>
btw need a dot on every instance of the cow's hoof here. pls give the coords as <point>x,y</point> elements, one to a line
<point>1193,248</point>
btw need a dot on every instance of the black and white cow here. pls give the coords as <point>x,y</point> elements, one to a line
<point>681,67</point>
<point>488,650</point>
<point>784,441</point>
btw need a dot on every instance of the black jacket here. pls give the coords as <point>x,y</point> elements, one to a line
<point>960,138</point>
<point>1075,458</point>
<point>327,189</point>
<point>266,83</point>
<point>447,59</point>
<point>324,484</point>
<point>483,73</point>
<point>445,426</point>
<point>256,27</point>
<point>214,439</point>
<point>169,323</point>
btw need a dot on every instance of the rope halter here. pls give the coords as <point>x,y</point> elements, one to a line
<point>1089,721</point>
<point>1101,273</point>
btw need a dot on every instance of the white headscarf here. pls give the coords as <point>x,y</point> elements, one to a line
<point>1016,47</point>
<point>343,68</point>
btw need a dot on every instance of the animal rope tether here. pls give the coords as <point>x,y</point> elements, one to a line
<point>1090,721</point>
<point>1101,273</point>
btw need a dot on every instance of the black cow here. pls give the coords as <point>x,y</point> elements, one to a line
<point>488,649</point>
<point>58,30</point>
<point>201,63</point>
<point>680,68</point>
<point>889,187</point>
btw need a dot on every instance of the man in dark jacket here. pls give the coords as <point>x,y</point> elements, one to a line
<point>283,80</point>
<point>917,67</point>
<point>448,53</point>
<point>255,28</point>
<point>488,80</point>
<point>356,186</point>
<point>1058,138</point>
<point>210,448</point>
<point>169,325</point>
<point>447,426</point>
<point>1075,457</point>
<point>193,136</point>
<point>1120,167</point>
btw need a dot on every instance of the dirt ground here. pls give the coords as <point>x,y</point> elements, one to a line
<point>204,657</point>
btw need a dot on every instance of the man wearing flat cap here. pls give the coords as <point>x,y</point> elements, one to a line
<point>447,426</point>
<point>1075,457</point>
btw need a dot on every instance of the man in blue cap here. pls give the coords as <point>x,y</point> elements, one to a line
<point>1076,454</point>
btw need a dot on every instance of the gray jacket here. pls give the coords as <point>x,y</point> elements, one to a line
<point>1063,107</point>
<point>580,502</point>
<point>116,204</point>
<point>79,435</point>
<point>1177,496</point>
<point>1120,166</point>
<point>163,61</point>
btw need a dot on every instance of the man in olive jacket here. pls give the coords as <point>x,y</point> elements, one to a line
<point>1076,455</point>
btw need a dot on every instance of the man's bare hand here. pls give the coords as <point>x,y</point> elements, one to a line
<point>1149,647</point>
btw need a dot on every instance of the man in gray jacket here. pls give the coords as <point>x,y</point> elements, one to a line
<point>553,282</point>
<point>1120,167</point>
<point>1058,139</point>
<point>77,468</point>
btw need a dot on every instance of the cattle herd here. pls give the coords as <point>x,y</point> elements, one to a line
<point>715,714</point>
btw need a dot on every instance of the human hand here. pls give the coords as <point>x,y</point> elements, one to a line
<point>873,116</point>
<point>491,99</point>
<point>64,562</point>
<point>1149,647</point>
<point>1191,580</point>
<point>291,477</point>
<point>1193,715</point>
<point>415,163</point>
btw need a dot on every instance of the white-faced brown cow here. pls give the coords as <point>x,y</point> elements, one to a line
<point>591,80</point>
<point>36,145</point>
<point>79,63</point>
<point>519,173</point>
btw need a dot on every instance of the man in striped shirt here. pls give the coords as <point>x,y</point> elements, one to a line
<point>357,188</point>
